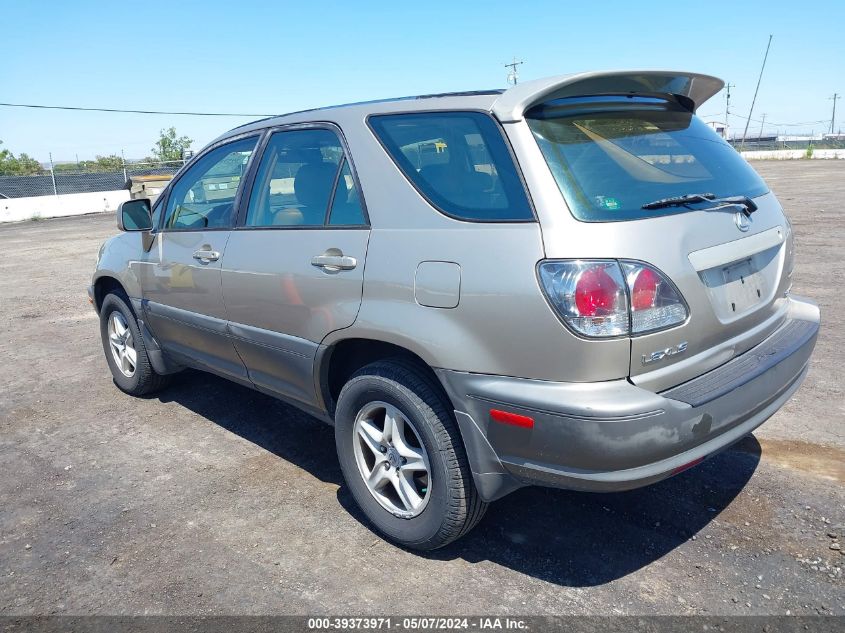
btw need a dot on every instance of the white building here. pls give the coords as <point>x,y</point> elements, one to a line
<point>720,128</point>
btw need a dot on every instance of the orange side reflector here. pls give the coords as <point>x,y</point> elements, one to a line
<point>512,418</point>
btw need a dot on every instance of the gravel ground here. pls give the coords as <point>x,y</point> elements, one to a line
<point>213,499</point>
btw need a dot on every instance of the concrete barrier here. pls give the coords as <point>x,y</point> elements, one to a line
<point>792,154</point>
<point>16,209</point>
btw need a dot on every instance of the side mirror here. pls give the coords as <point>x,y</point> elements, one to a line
<point>135,215</point>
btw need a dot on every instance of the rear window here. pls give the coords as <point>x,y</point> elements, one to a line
<point>611,155</point>
<point>458,161</point>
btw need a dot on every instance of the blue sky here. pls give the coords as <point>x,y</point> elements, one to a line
<point>274,57</point>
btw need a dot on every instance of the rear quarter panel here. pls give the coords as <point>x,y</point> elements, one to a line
<point>502,323</point>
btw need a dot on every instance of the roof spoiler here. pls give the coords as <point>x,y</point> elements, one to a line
<point>512,105</point>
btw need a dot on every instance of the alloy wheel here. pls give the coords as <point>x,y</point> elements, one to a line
<point>122,344</point>
<point>391,459</point>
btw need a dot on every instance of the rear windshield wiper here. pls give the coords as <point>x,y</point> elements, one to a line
<point>679,201</point>
<point>749,206</point>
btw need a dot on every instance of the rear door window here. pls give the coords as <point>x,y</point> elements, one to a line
<point>611,155</point>
<point>346,206</point>
<point>304,180</point>
<point>458,161</point>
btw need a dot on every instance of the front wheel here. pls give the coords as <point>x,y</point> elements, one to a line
<point>124,347</point>
<point>403,458</point>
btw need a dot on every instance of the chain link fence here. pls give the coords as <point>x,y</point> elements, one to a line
<point>775,143</point>
<point>66,180</point>
<point>59,181</point>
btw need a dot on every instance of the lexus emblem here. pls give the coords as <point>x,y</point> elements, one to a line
<point>743,221</point>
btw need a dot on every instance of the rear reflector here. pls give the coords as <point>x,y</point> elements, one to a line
<point>512,418</point>
<point>681,469</point>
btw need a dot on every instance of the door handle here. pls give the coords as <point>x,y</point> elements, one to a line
<point>334,263</point>
<point>206,256</point>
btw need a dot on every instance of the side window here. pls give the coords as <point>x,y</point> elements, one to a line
<point>156,215</point>
<point>459,162</point>
<point>297,177</point>
<point>204,196</point>
<point>346,207</point>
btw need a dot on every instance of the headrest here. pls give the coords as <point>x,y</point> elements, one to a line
<point>313,184</point>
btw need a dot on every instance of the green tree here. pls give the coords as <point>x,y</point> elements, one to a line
<point>112,162</point>
<point>22,165</point>
<point>170,147</point>
<point>28,165</point>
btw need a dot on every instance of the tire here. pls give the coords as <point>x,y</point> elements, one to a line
<point>451,506</point>
<point>142,379</point>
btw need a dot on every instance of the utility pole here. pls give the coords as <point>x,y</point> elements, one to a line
<point>53,175</point>
<point>762,123</point>
<point>835,96</point>
<point>728,87</point>
<point>756,90</point>
<point>513,76</point>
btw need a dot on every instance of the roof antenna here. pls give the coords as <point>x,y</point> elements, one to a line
<point>513,76</point>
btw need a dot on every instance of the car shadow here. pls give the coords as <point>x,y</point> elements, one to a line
<point>273,425</point>
<point>573,539</point>
<point>580,539</point>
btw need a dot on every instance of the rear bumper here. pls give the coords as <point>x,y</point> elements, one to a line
<point>614,435</point>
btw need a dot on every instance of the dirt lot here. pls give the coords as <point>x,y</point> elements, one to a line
<point>215,499</point>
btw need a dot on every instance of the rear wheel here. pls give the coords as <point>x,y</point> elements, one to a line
<point>124,347</point>
<point>403,458</point>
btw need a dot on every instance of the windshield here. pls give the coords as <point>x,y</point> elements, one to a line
<point>612,155</point>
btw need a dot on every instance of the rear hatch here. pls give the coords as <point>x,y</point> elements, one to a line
<point>623,163</point>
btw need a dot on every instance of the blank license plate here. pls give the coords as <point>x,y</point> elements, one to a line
<point>743,286</point>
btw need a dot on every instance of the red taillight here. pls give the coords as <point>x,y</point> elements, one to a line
<point>512,418</point>
<point>602,298</point>
<point>595,292</point>
<point>645,289</point>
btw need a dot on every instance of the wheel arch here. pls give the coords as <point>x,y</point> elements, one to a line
<point>336,362</point>
<point>107,284</point>
<point>339,359</point>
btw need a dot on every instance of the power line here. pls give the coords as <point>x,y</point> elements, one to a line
<point>771,123</point>
<point>76,108</point>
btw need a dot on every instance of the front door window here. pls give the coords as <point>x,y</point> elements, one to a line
<point>204,197</point>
